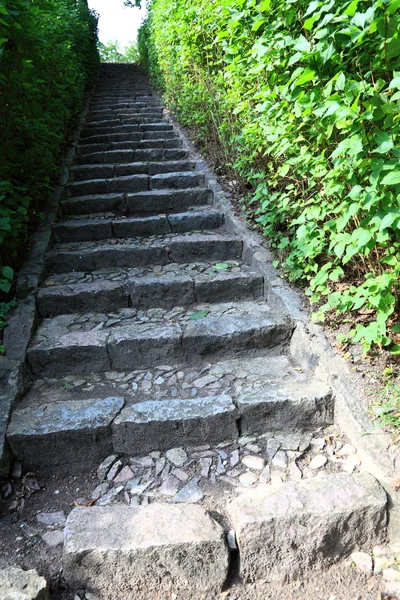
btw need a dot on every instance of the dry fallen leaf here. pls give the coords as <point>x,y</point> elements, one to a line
<point>396,484</point>
<point>88,503</point>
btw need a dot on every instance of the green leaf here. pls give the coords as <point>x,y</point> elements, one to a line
<point>395,350</point>
<point>392,178</point>
<point>396,328</point>
<point>221,266</point>
<point>200,314</point>
<point>385,143</point>
<point>7,272</point>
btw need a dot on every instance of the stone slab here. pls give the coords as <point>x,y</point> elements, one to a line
<point>284,530</point>
<point>17,584</point>
<point>167,291</point>
<point>199,247</point>
<point>146,552</point>
<point>96,296</point>
<point>134,347</point>
<point>64,436</point>
<point>165,424</point>
<point>165,200</point>
<point>304,405</point>
<point>73,353</point>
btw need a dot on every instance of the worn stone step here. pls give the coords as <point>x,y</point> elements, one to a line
<point>175,550</point>
<point>111,111</point>
<point>170,286</point>
<point>103,227</point>
<point>129,156</point>
<point>108,170</point>
<point>151,202</point>
<point>161,250</point>
<point>136,183</point>
<point>141,144</point>
<point>112,120</point>
<point>136,428</point>
<point>127,136</point>
<point>285,530</point>
<point>93,130</point>
<point>76,344</point>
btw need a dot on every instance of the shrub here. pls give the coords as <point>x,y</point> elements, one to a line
<point>302,100</point>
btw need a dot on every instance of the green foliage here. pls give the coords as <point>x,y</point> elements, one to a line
<point>302,99</point>
<point>112,52</point>
<point>48,58</point>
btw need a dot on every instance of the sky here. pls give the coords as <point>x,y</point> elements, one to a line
<point>116,21</point>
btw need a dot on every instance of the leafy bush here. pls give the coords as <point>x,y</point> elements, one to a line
<point>48,59</point>
<point>112,52</point>
<point>302,99</point>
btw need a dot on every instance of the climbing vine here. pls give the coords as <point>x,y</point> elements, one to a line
<point>302,100</point>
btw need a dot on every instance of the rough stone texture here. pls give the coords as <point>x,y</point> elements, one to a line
<point>133,348</point>
<point>168,291</point>
<point>144,552</point>
<point>17,584</point>
<point>64,437</point>
<point>305,405</point>
<point>160,425</point>
<point>197,247</point>
<point>285,529</point>
<point>73,353</point>
<point>96,296</point>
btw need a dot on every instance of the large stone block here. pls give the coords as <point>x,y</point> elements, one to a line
<point>146,552</point>
<point>176,180</point>
<point>164,424</point>
<point>305,405</point>
<point>64,436</point>
<point>283,530</point>
<point>204,248</point>
<point>166,291</point>
<point>136,347</point>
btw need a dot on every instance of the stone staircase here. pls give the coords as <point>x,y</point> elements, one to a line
<point>144,280</point>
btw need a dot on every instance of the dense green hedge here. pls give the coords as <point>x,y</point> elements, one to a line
<point>303,100</point>
<point>48,58</point>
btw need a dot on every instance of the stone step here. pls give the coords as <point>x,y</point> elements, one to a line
<point>285,530</point>
<point>103,227</point>
<point>89,131</point>
<point>141,144</point>
<point>84,431</point>
<point>136,183</point>
<point>127,136</point>
<point>109,170</point>
<point>161,250</point>
<point>128,112</point>
<point>175,550</point>
<point>76,344</point>
<point>121,119</point>
<point>154,202</point>
<point>169,286</point>
<point>129,156</point>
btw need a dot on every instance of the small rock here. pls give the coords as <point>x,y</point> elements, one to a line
<point>99,491</point>
<point>280,460</point>
<point>350,463</point>
<point>253,448</point>
<point>381,563</point>
<point>380,551</point>
<point>155,454</point>
<point>52,518</point>
<point>273,446</point>
<point>177,456</point>
<point>392,589</point>
<point>265,475</point>
<point>109,497</point>
<point>180,474</point>
<point>254,462</point>
<point>276,477</point>
<point>222,454</point>
<point>135,488</point>
<point>244,440</point>
<point>159,380</point>
<point>169,486</point>
<point>363,561</point>
<point>203,381</point>
<point>205,464</point>
<point>134,386</point>
<point>247,479</point>
<point>135,501</point>
<point>17,584</point>
<point>191,493</point>
<point>220,467</point>
<point>145,462</point>
<point>160,464</point>
<point>391,575</point>
<point>346,450</point>
<point>318,462</point>
<point>202,454</point>
<point>90,596</point>
<point>124,475</point>
<point>53,538</point>
<point>317,444</point>
<point>234,458</point>
<point>105,467</point>
<point>294,472</point>
<point>114,470</point>
<point>231,539</point>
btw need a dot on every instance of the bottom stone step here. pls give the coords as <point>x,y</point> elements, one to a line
<point>146,552</point>
<point>287,529</point>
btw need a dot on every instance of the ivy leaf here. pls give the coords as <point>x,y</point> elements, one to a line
<point>395,350</point>
<point>221,266</point>
<point>7,272</point>
<point>200,314</point>
<point>396,328</point>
